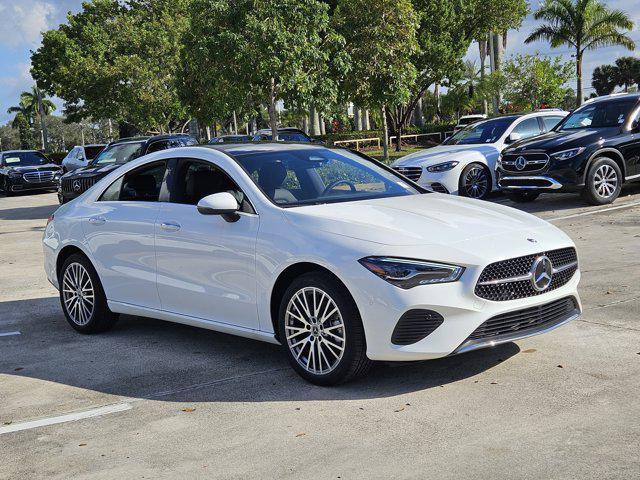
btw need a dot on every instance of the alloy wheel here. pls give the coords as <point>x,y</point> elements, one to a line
<point>78,293</point>
<point>315,330</point>
<point>605,180</point>
<point>475,182</point>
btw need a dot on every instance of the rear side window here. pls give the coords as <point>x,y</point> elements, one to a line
<point>140,185</point>
<point>550,122</point>
<point>528,128</point>
<point>92,152</point>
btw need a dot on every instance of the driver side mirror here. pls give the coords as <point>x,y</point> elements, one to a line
<point>514,137</point>
<point>222,203</point>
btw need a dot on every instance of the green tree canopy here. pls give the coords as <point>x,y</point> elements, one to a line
<point>604,79</point>
<point>627,71</point>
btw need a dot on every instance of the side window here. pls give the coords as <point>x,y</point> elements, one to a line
<point>194,180</point>
<point>528,128</point>
<point>550,122</point>
<point>140,185</point>
<point>157,146</point>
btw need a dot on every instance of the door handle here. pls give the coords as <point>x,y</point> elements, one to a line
<point>97,220</point>
<point>170,226</point>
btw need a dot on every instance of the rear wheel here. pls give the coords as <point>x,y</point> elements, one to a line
<point>321,330</point>
<point>6,189</point>
<point>475,181</point>
<point>82,297</point>
<point>603,182</point>
<point>522,196</point>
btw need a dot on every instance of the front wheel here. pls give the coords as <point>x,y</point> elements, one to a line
<point>6,187</point>
<point>475,181</point>
<point>522,196</point>
<point>321,330</point>
<point>603,182</point>
<point>82,297</point>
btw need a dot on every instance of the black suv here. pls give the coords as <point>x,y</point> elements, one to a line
<point>114,155</point>
<point>594,150</point>
<point>22,170</point>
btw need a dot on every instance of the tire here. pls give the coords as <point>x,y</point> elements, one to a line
<point>81,314</point>
<point>522,197</point>
<point>342,329</point>
<point>475,181</point>
<point>5,188</point>
<point>603,182</point>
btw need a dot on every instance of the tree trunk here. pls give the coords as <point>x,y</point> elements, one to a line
<point>578,77</point>
<point>43,123</point>
<point>398,128</point>
<point>385,134</point>
<point>366,125</point>
<point>323,127</point>
<point>418,119</point>
<point>436,94</point>
<point>273,115</point>
<point>314,121</point>
<point>357,124</point>
<point>235,123</point>
<point>482,46</point>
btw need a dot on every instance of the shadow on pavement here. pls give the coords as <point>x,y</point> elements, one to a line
<point>147,358</point>
<point>28,213</point>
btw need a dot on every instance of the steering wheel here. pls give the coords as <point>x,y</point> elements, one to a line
<point>333,185</point>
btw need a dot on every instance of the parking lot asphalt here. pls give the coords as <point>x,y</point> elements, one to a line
<point>151,399</point>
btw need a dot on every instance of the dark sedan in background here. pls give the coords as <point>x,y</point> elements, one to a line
<point>22,170</point>
<point>113,156</point>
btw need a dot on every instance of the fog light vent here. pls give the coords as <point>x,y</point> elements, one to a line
<point>415,325</point>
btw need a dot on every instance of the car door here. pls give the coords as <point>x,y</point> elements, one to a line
<point>629,145</point>
<point>119,232</point>
<point>206,263</point>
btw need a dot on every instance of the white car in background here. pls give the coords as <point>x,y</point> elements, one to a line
<point>465,163</point>
<point>80,156</point>
<point>330,254</point>
<point>465,120</point>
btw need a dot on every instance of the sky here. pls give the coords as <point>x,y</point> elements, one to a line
<point>24,20</point>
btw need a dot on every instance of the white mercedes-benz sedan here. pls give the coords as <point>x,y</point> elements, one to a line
<point>323,250</point>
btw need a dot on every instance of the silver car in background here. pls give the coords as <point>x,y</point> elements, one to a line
<point>80,156</point>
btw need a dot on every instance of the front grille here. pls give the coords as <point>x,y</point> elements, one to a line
<point>412,173</point>
<point>502,273</point>
<point>415,325</point>
<point>521,321</point>
<point>44,176</point>
<point>83,184</point>
<point>534,162</point>
<point>438,187</point>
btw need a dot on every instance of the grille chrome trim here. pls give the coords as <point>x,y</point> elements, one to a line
<point>40,176</point>
<point>477,343</point>
<point>412,173</point>
<point>528,276</point>
<point>534,162</point>
<point>552,184</point>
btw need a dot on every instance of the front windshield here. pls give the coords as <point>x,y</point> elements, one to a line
<point>599,115</point>
<point>24,159</point>
<point>120,153</point>
<point>303,176</point>
<point>488,131</point>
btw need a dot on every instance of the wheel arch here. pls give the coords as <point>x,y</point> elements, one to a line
<point>66,252</point>
<point>611,153</point>
<point>284,280</point>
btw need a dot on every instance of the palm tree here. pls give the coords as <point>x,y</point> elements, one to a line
<point>34,107</point>
<point>583,25</point>
<point>22,122</point>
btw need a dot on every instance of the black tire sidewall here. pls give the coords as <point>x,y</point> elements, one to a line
<point>461,190</point>
<point>101,318</point>
<point>355,338</point>
<point>590,194</point>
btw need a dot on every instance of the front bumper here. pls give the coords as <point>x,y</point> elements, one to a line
<point>462,310</point>
<point>20,185</point>
<point>529,182</point>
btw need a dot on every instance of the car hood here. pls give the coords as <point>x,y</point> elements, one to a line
<point>556,141</point>
<point>35,168</point>
<point>92,171</point>
<point>416,220</point>
<point>444,153</point>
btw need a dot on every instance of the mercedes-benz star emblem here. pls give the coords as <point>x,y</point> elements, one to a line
<point>521,162</point>
<point>541,273</point>
<point>76,185</point>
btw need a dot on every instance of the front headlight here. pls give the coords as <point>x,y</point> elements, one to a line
<point>15,175</point>
<point>407,273</point>
<point>442,167</point>
<point>567,154</point>
<point>57,176</point>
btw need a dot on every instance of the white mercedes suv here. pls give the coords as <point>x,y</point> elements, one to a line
<point>465,164</point>
<point>325,251</point>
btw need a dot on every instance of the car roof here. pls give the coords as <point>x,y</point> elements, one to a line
<point>239,149</point>
<point>281,129</point>
<point>21,151</point>
<point>615,96</point>
<point>150,138</point>
<point>92,145</point>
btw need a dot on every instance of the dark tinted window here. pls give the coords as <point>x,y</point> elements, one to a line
<point>528,128</point>
<point>599,115</point>
<point>140,185</point>
<point>487,131</point>
<point>195,180</point>
<point>24,159</point>
<point>92,152</point>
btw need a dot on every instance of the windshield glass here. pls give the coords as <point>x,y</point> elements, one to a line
<point>599,115</point>
<point>24,159</point>
<point>295,177</point>
<point>121,153</point>
<point>488,131</point>
<point>288,137</point>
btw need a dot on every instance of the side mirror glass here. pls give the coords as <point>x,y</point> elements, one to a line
<point>514,137</point>
<point>222,203</point>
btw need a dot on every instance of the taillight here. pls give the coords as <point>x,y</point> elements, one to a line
<point>49,219</point>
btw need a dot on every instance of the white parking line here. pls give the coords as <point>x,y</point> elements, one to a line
<point>593,212</point>
<point>8,334</point>
<point>71,417</point>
